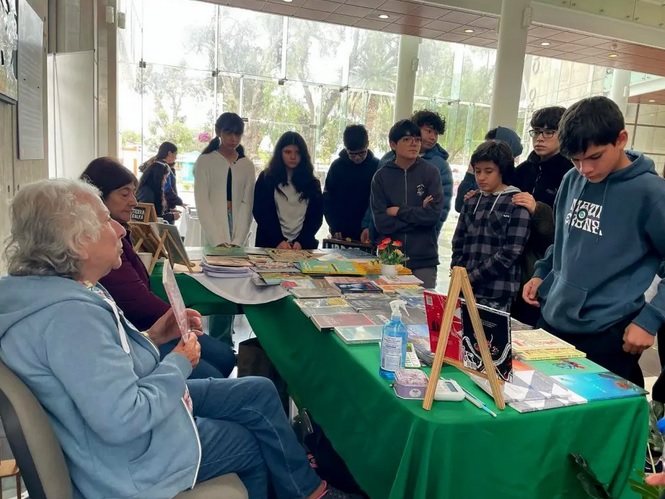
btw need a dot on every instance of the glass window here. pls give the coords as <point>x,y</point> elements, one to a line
<point>316,52</point>
<point>250,43</point>
<point>179,33</point>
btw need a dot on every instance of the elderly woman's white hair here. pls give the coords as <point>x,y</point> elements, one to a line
<point>50,220</point>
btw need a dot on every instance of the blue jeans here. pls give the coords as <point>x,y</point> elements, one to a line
<point>243,429</point>
<point>217,358</point>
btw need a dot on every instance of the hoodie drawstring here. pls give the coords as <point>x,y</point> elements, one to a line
<point>496,195</point>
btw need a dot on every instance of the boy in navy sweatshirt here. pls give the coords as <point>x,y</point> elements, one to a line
<point>492,231</point>
<point>407,199</point>
<point>609,242</point>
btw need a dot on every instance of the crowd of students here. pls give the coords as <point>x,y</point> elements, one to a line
<point>568,240</point>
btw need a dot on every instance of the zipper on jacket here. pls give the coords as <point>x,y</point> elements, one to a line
<point>406,199</point>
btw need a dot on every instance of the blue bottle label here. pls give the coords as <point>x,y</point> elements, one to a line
<point>391,353</point>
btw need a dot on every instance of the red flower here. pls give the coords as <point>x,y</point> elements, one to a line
<point>397,244</point>
<point>386,241</point>
<point>382,246</point>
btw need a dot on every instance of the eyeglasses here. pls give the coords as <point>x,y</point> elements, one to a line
<point>588,479</point>
<point>411,140</point>
<point>356,154</point>
<point>547,134</point>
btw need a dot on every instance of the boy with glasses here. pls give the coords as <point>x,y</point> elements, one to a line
<point>348,183</point>
<point>431,125</point>
<point>407,200</point>
<point>539,178</point>
<point>609,243</point>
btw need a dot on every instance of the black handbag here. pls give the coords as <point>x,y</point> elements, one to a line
<point>254,361</point>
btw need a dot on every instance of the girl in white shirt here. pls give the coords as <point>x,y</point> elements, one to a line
<point>224,185</point>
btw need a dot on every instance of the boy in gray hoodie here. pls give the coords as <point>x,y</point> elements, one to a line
<point>407,199</point>
<point>609,243</point>
<point>492,230</point>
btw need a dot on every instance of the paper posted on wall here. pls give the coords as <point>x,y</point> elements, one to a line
<point>175,298</point>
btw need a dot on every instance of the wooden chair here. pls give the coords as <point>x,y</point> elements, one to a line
<point>39,456</point>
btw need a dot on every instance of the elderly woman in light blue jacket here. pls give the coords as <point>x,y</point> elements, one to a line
<point>129,424</point>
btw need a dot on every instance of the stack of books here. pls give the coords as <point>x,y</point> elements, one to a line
<point>538,344</point>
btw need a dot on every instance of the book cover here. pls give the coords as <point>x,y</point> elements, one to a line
<point>316,267</point>
<point>308,312</point>
<point>288,255</point>
<point>321,302</point>
<point>345,280</point>
<point>434,305</point>
<point>418,336</point>
<point>600,386</point>
<point>393,288</point>
<point>397,280</point>
<point>225,251</point>
<point>358,287</point>
<point>530,390</point>
<point>496,325</point>
<point>359,334</point>
<point>555,367</point>
<point>370,302</point>
<point>225,261</point>
<point>551,353</point>
<point>314,292</point>
<point>330,321</point>
<point>537,339</point>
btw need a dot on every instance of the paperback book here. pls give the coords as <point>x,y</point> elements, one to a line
<point>226,261</point>
<point>496,325</point>
<point>225,251</point>
<point>600,386</point>
<point>359,334</point>
<point>434,306</point>
<point>288,255</point>
<point>314,292</point>
<point>333,267</point>
<point>330,321</point>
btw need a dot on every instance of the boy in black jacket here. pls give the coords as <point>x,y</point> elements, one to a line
<point>407,200</point>
<point>492,231</point>
<point>539,178</point>
<point>348,184</point>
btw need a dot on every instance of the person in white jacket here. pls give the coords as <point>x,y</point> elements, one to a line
<point>224,181</point>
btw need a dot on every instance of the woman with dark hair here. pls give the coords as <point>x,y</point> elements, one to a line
<point>167,154</point>
<point>288,203</point>
<point>129,285</point>
<point>224,185</point>
<point>151,190</point>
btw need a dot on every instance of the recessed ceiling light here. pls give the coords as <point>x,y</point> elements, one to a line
<point>613,56</point>
<point>468,31</point>
<point>652,100</point>
<point>383,16</point>
<point>545,44</point>
<point>288,1</point>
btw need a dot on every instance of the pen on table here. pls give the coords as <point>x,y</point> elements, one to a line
<point>478,403</point>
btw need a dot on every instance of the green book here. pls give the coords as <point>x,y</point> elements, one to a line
<point>555,367</point>
<point>227,251</point>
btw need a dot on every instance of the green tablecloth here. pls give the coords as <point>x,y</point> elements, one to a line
<point>397,450</point>
<point>194,294</point>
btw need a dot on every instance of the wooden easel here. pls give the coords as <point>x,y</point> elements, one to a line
<point>172,247</point>
<point>460,282</point>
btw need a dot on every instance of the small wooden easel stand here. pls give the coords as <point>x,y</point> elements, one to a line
<point>460,282</point>
<point>170,247</point>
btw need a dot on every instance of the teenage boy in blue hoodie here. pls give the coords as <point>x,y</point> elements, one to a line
<point>406,201</point>
<point>609,242</point>
<point>431,125</point>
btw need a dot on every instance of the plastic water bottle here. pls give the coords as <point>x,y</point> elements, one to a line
<point>393,342</point>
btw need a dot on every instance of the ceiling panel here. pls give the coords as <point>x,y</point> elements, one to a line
<point>449,24</point>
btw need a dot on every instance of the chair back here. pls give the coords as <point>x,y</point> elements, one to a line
<point>32,440</point>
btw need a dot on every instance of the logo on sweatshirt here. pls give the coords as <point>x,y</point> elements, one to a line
<point>420,190</point>
<point>585,215</point>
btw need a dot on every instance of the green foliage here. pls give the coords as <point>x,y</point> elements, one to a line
<point>248,51</point>
<point>645,491</point>
<point>130,137</point>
